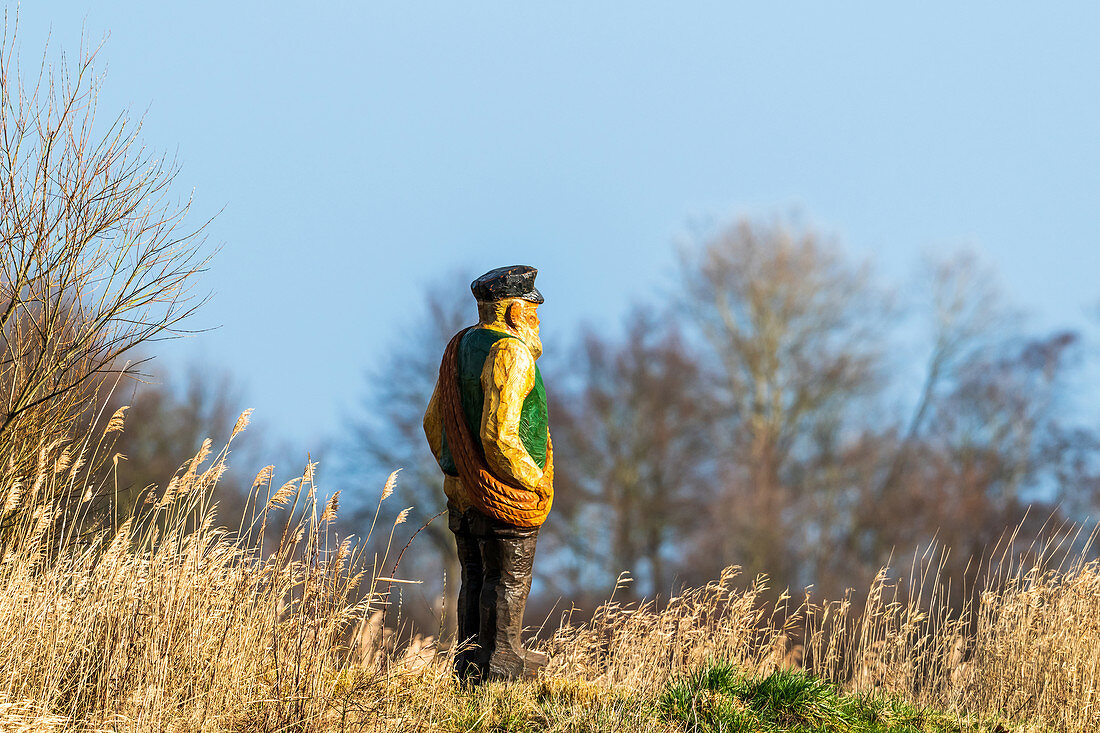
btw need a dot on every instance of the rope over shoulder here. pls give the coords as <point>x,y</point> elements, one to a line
<point>506,501</point>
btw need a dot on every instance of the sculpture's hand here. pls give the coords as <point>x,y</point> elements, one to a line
<point>546,486</point>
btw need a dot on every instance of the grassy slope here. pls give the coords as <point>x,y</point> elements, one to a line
<point>717,699</point>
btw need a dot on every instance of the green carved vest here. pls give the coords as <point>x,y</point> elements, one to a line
<point>472,353</point>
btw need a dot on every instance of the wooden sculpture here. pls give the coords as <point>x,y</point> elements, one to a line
<point>487,426</point>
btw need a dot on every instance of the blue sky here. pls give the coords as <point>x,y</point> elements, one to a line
<point>364,150</point>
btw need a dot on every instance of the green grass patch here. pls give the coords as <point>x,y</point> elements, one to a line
<point>721,699</point>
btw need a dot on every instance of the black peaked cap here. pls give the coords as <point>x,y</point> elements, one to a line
<point>514,281</point>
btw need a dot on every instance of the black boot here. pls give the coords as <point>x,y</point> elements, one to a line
<point>508,555</point>
<point>468,653</point>
<point>469,611</point>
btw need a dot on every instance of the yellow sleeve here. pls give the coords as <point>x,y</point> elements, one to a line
<point>433,424</point>
<point>506,380</point>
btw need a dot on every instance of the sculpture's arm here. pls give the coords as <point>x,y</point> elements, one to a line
<point>433,424</point>
<point>506,380</point>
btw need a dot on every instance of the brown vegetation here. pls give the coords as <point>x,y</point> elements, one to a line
<point>182,627</point>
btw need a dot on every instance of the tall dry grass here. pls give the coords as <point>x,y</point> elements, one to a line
<point>1027,650</point>
<point>167,622</point>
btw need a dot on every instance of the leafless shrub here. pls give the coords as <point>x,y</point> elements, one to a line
<point>95,257</point>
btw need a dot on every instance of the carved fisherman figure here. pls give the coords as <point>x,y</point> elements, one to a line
<point>487,427</point>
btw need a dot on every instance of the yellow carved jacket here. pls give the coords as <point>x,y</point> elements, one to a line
<point>506,380</point>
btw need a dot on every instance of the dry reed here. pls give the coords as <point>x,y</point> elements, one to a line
<point>1026,650</point>
<point>171,623</point>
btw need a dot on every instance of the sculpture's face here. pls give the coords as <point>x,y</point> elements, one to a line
<point>525,320</point>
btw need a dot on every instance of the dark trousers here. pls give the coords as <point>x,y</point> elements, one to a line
<point>497,560</point>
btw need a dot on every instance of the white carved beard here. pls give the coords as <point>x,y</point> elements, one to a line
<point>530,337</point>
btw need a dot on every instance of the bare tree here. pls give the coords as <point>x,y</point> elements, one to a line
<point>795,333</point>
<point>635,440</point>
<point>94,259</point>
<point>984,441</point>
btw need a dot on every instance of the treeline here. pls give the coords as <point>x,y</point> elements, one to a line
<point>788,411</point>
